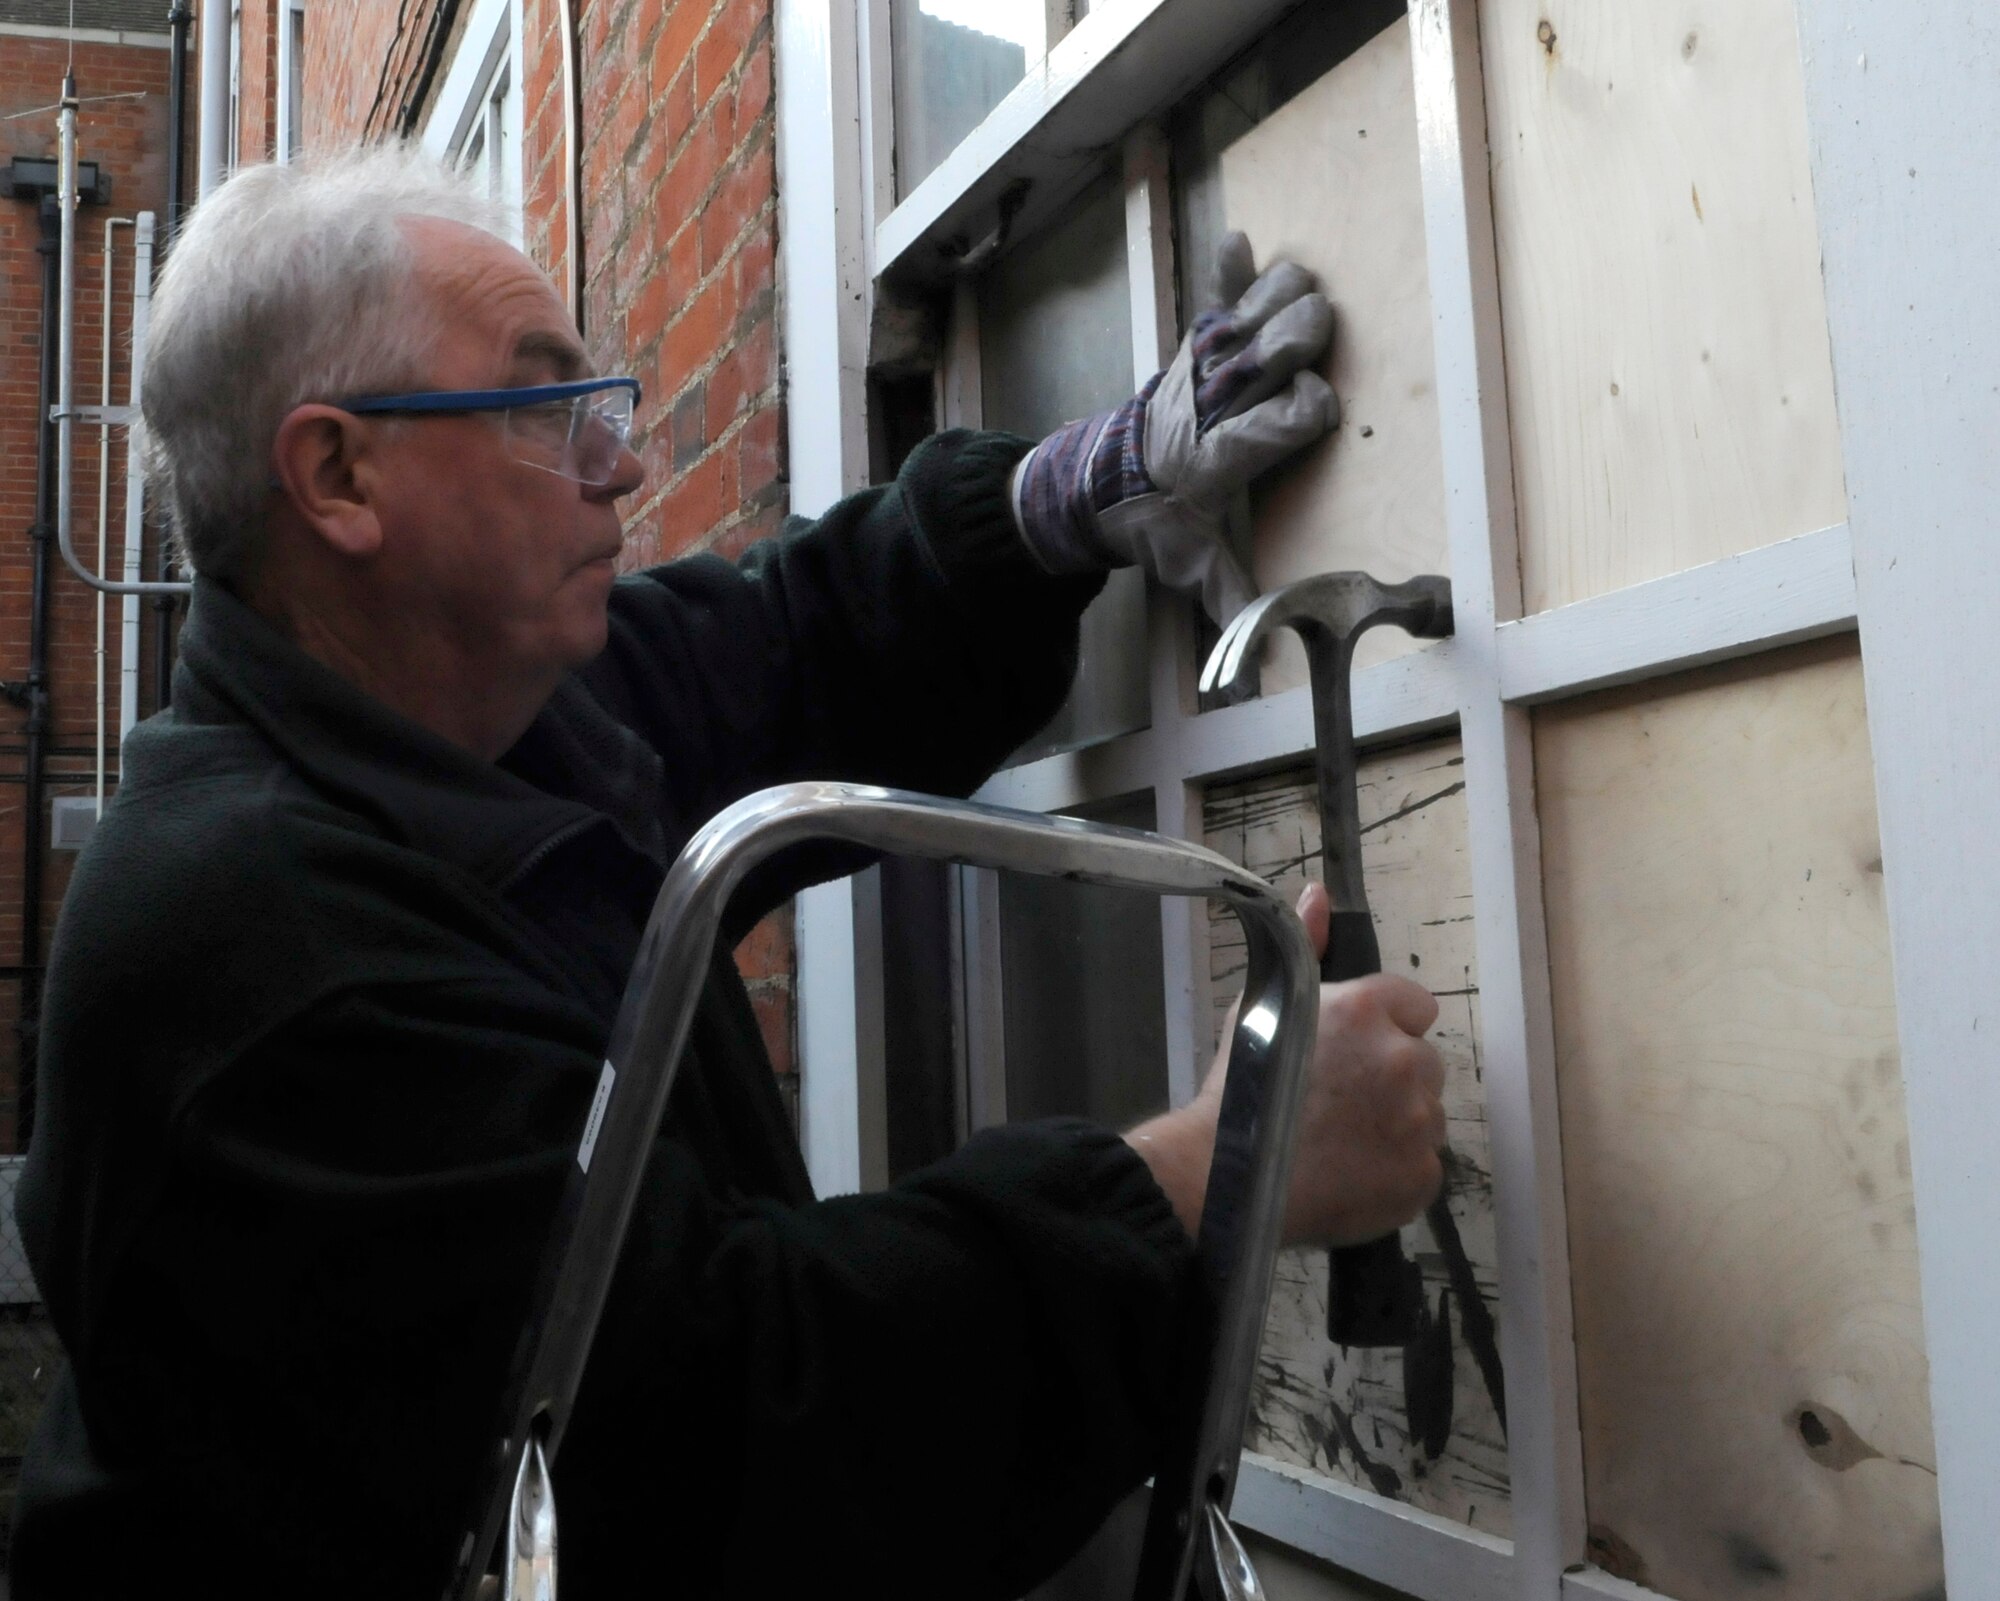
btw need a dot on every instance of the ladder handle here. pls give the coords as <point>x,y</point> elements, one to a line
<point>1243,1213</point>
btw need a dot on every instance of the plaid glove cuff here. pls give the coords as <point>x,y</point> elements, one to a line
<point>1078,471</point>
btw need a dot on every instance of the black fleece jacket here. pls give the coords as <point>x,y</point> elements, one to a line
<point>326,1005</point>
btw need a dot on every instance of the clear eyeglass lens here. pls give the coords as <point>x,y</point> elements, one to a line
<point>578,439</point>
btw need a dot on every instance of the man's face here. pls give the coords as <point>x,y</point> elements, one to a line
<point>511,563</point>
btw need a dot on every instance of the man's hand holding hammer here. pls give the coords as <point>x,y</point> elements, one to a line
<point>1370,1127</point>
<point>1149,484</point>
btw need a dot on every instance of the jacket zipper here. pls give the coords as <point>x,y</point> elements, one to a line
<point>544,851</point>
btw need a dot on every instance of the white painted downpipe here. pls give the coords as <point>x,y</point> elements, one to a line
<point>212,149</point>
<point>104,480</point>
<point>135,482</point>
<point>65,360</point>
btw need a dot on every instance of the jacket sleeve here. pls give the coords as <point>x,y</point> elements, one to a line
<point>951,1381</point>
<point>907,638</point>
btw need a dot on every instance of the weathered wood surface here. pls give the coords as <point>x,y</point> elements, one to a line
<point>1338,1410</point>
<point>1668,370</point>
<point>1750,1345</point>
<point>1330,179</point>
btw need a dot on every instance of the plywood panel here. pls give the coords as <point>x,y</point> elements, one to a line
<point>1668,373</point>
<point>1345,1412</point>
<point>1749,1343</point>
<point>1331,180</point>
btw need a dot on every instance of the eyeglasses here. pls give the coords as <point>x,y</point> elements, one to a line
<point>574,430</point>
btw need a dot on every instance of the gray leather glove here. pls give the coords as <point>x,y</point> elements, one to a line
<point>1150,484</point>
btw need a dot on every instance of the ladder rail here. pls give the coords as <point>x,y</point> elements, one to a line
<point>1237,1244</point>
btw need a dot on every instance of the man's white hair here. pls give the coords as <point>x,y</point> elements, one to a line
<point>289,284</point>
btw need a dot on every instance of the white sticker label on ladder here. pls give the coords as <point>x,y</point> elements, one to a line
<point>595,1121</point>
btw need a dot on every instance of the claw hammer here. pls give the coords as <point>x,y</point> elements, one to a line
<point>1375,1293</point>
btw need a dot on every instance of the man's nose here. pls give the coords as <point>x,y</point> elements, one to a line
<point>627,474</point>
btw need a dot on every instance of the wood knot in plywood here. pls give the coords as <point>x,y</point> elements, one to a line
<point>1829,1439</point>
<point>1546,32</point>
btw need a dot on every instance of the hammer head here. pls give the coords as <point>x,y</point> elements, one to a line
<point>1327,609</point>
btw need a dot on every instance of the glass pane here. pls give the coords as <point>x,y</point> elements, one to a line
<point>1055,343</point>
<point>1085,996</point>
<point>1309,144</point>
<point>1428,1434</point>
<point>955,60</point>
<point>1751,1368</point>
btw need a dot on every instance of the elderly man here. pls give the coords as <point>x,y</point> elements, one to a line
<point>331,989</point>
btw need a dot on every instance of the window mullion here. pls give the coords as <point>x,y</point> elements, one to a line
<point>1149,259</point>
<point>1544,1446</point>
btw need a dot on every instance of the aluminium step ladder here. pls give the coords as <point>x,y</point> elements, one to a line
<point>508,1549</point>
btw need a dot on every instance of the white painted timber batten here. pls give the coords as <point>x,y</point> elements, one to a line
<point>1905,141</point>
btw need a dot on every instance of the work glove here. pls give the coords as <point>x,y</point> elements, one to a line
<point>1150,484</point>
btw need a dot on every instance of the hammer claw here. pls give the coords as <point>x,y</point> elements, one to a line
<point>1339,605</point>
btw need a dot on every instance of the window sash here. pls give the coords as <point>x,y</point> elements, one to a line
<point>478,114</point>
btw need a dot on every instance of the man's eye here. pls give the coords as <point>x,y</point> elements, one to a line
<point>544,422</point>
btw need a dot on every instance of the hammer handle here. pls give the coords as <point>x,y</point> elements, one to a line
<point>1374,1292</point>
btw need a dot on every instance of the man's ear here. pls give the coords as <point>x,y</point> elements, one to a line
<point>323,464</point>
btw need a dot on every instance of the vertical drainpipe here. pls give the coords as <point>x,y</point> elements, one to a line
<point>178,18</point>
<point>212,153</point>
<point>135,485</point>
<point>212,166</point>
<point>28,1026</point>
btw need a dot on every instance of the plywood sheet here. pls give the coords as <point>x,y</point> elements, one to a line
<point>1749,1344</point>
<point>1331,180</point>
<point>1340,1411</point>
<point>1668,373</point>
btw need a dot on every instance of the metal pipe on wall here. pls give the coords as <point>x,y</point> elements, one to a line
<point>104,483</point>
<point>35,693</point>
<point>135,481</point>
<point>212,155</point>
<point>178,18</point>
<point>65,409</point>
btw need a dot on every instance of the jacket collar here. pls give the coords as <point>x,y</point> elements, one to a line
<point>575,765</point>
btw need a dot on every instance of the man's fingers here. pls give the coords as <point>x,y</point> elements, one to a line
<point>1430,1067</point>
<point>1294,340</point>
<point>1407,1005</point>
<point>1410,1006</point>
<point>1235,267</point>
<point>1249,445</point>
<point>1277,287</point>
<point>1316,912</point>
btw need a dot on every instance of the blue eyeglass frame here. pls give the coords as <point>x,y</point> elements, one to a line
<point>471,400</point>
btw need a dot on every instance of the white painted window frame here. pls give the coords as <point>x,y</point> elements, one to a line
<point>290,68</point>
<point>482,92</point>
<point>1881,88</point>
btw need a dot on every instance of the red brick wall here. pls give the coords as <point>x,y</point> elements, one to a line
<point>128,137</point>
<point>256,81</point>
<point>679,221</point>
<point>361,62</point>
